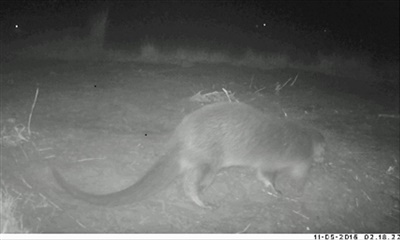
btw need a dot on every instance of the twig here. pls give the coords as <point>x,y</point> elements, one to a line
<point>54,205</point>
<point>23,180</point>
<point>259,90</point>
<point>19,129</point>
<point>80,224</point>
<point>227,94</point>
<point>90,159</point>
<point>366,195</point>
<point>390,170</point>
<point>76,220</point>
<point>245,229</point>
<point>271,194</point>
<point>44,149</point>
<point>279,87</point>
<point>301,215</point>
<point>30,115</point>
<point>295,78</point>
<point>290,79</point>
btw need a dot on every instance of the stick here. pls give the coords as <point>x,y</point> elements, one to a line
<point>259,90</point>
<point>298,213</point>
<point>245,229</point>
<point>24,181</point>
<point>89,159</point>
<point>30,115</point>
<point>227,94</point>
<point>294,80</point>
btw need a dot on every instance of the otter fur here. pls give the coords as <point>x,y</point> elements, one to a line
<point>215,137</point>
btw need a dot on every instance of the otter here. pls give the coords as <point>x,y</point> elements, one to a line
<point>215,137</point>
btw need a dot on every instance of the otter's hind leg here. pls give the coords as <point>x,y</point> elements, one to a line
<point>208,177</point>
<point>196,180</point>
<point>268,178</point>
<point>299,172</point>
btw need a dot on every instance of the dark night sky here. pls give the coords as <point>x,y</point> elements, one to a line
<point>372,22</point>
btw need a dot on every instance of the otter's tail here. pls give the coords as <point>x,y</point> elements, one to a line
<point>156,179</point>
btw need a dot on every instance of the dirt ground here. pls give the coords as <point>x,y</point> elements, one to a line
<point>103,124</point>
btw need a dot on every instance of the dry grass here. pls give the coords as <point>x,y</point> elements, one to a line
<point>28,203</point>
<point>13,134</point>
<point>222,96</point>
<point>10,222</point>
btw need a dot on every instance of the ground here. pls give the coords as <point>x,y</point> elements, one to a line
<point>103,124</point>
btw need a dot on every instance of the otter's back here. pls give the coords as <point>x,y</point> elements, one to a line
<point>235,134</point>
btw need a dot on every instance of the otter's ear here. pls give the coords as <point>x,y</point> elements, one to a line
<point>319,146</point>
<point>319,153</point>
